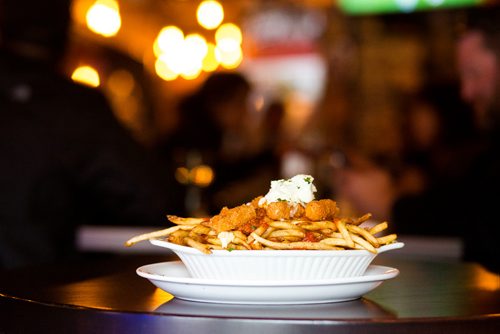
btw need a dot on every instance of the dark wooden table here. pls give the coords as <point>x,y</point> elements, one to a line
<point>106,296</point>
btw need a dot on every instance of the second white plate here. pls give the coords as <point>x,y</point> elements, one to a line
<point>174,278</point>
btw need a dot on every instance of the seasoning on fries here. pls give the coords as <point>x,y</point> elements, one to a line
<point>287,217</point>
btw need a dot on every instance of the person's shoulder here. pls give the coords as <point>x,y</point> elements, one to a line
<point>74,99</point>
<point>66,88</point>
<point>70,106</point>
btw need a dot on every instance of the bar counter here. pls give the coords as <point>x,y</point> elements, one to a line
<point>105,295</point>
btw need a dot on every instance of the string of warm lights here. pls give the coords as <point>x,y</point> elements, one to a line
<point>188,56</point>
<point>176,54</point>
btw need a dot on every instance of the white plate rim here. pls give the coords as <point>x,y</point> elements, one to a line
<point>142,271</point>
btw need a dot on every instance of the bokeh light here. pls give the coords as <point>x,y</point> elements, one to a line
<point>229,31</point>
<point>164,71</point>
<point>195,46</point>
<point>186,56</point>
<point>192,72</point>
<point>170,37</point>
<point>103,18</point>
<point>202,175</point>
<point>182,175</point>
<point>229,59</point>
<point>210,62</point>
<point>179,56</point>
<point>228,50</point>
<point>210,14</point>
<point>86,75</point>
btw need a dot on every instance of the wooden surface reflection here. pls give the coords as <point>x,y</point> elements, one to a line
<point>428,296</point>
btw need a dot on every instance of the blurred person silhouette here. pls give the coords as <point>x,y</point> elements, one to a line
<point>437,131</point>
<point>458,201</point>
<point>248,174</point>
<point>478,60</point>
<point>215,130</point>
<point>66,160</point>
<point>212,118</point>
<point>272,126</point>
<point>272,142</point>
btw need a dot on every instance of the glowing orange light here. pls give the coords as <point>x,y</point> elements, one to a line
<point>103,18</point>
<point>229,60</point>
<point>210,14</point>
<point>202,175</point>
<point>169,38</point>
<point>86,75</point>
<point>210,62</point>
<point>164,71</point>
<point>229,31</point>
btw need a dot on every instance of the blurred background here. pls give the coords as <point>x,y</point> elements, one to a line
<point>319,79</point>
<point>327,61</point>
<point>340,70</point>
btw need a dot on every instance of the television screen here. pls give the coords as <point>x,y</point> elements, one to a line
<point>355,7</point>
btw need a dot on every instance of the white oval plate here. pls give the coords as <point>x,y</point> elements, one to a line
<point>174,278</point>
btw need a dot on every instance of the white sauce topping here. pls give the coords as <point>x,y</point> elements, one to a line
<point>225,238</point>
<point>297,190</point>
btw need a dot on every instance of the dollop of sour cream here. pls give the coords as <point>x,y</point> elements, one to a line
<point>297,190</point>
<point>225,238</point>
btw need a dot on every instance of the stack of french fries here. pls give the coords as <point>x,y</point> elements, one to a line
<point>335,234</point>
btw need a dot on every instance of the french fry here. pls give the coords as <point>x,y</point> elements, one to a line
<point>201,229</point>
<point>259,231</point>
<point>240,239</point>
<point>186,221</point>
<point>363,243</point>
<point>378,228</point>
<point>268,231</point>
<point>214,241</point>
<point>345,233</point>
<point>198,245</point>
<point>335,242</point>
<point>387,239</point>
<point>178,236</point>
<point>293,245</point>
<point>319,225</point>
<point>362,219</point>
<point>286,233</point>
<point>240,235</point>
<point>327,232</point>
<point>284,225</point>
<point>155,234</point>
<point>364,233</point>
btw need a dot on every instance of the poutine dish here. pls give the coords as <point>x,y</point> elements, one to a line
<point>286,222</point>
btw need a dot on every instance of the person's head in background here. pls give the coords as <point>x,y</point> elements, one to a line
<point>35,30</point>
<point>214,114</point>
<point>225,95</point>
<point>436,118</point>
<point>478,61</point>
